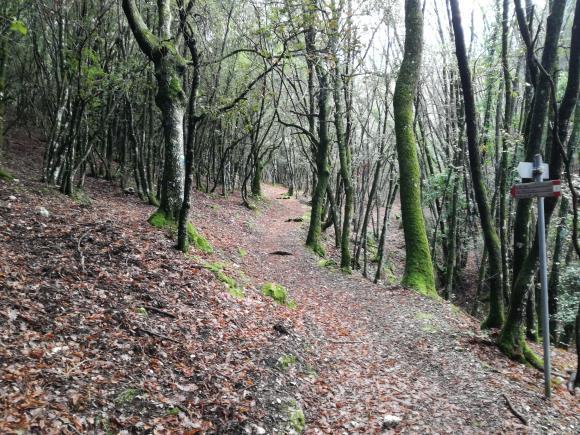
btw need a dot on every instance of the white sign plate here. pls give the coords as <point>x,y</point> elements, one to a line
<point>526,170</point>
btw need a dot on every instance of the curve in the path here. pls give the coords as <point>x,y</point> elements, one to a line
<point>388,351</point>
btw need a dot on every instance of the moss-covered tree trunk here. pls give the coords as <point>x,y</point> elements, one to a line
<point>322,170</point>
<point>507,128</point>
<point>362,245</point>
<point>183,236</point>
<point>577,383</point>
<point>495,317</point>
<point>345,173</point>
<point>452,232</point>
<point>256,184</point>
<point>554,283</point>
<point>339,89</point>
<point>511,340</point>
<point>418,268</point>
<point>170,98</point>
<point>322,144</point>
<point>2,90</point>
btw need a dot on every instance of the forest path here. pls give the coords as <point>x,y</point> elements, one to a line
<point>388,351</point>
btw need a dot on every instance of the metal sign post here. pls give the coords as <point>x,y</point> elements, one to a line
<point>540,189</point>
<point>544,280</point>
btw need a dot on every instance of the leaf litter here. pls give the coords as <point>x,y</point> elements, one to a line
<point>105,327</point>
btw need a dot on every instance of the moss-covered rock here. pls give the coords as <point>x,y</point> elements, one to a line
<point>278,293</point>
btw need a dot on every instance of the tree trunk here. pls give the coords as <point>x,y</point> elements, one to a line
<point>365,222</point>
<point>511,340</point>
<point>554,284</point>
<point>170,98</point>
<point>507,121</point>
<point>256,184</point>
<point>495,317</point>
<point>2,91</point>
<point>182,233</point>
<point>577,383</point>
<point>418,268</point>
<point>322,150</point>
<point>393,188</point>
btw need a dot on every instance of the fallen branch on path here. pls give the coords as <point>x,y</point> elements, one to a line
<point>514,411</point>
<point>155,334</point>
<point>160,312</point>
<point>281,253</point>
<point>80,251</point>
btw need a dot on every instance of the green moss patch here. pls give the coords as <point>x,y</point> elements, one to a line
<point>142,311</point>
<point>285,362</point>
<point>197,240</point>
<point>81,197</point>
<point>423,316</point>
<point>330,263</point>
<point>421,284</point>
<point>231,284</point>
<point>5,175</point>
<point>427,326</point>
<point>278,293</point>
<point>127,396</point>
<point>513,344</point>
<point>296,418</point>
<point>160,220</point>
<point>317,249</point>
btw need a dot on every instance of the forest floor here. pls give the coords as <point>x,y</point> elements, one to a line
<point>106,328</point>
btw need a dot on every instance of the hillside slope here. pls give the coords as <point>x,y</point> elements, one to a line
<point>105,327</point>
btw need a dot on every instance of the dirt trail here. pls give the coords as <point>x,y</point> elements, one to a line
<point>387,351</point>
<point>364,351</point>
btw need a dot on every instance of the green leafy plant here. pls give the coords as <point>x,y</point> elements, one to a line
<point>285,362</point>
<point>18,27</point>
<point>127,396</point>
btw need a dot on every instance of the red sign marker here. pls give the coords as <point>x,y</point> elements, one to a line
<point>537,189</point>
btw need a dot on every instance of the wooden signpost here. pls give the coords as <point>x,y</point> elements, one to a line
<point>540,189</point>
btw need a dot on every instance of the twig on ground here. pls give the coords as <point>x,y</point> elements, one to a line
<point>160,312</point>
<point>514,411</point>
<point>155,334</point>
<point>82,257</point>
